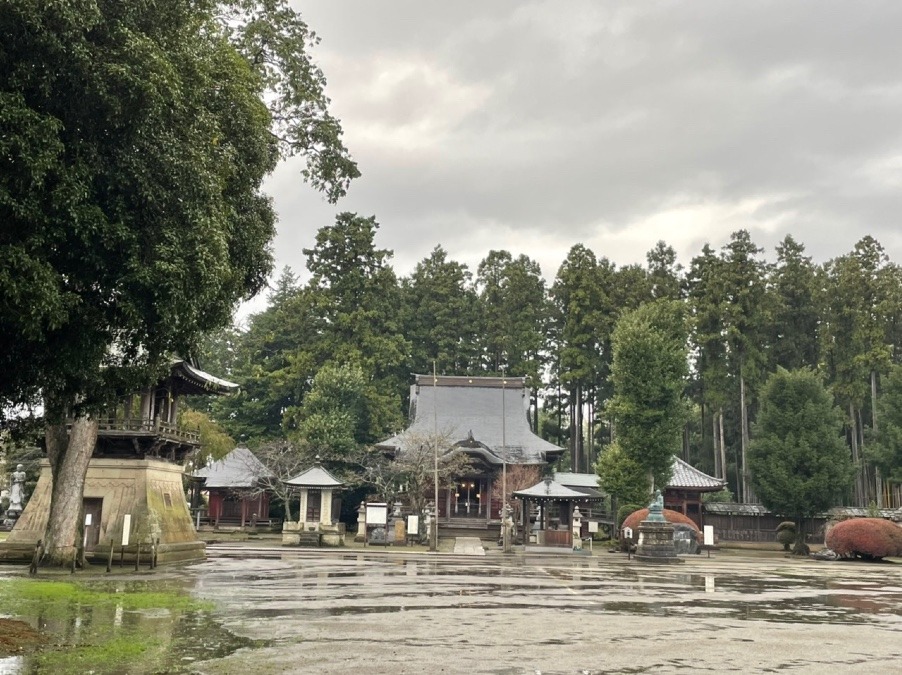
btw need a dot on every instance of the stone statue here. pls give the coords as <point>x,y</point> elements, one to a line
<point>656,508</point>
<point>17,489</point>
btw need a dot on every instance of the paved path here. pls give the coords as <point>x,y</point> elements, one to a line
<point>468,546</point>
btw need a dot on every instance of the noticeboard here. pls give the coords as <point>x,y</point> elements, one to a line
<point>376,514</point>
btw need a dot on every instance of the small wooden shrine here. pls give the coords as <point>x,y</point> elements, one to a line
<point>236,493</point>
<point>685,489</point>
<point>134,477</point>
<point>556,505</point>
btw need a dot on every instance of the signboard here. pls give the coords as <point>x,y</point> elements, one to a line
<point>89,518</point>
<point>593,526</point>
<point>627,533</point>
<point>709,535</point>
<point>126,528</point>
<point>413,525</point>
<point>376,514</point>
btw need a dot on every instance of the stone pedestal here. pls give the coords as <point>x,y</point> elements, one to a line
<point>656,543</point>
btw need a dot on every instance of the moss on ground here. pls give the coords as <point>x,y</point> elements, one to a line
<point>100,627</point>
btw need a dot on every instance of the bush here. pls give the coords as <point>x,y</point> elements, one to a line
<point>786,534</point>
<point>636,517</point>
<point>866,538</point>
<point>624,511</point>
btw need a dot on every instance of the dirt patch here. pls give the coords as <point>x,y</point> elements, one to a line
<point>17,637</point>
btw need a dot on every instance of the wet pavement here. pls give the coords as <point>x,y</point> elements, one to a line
<point>276,610</point>
<point>553,614</point>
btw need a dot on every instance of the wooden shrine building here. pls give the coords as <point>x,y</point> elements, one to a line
<point>556,504</point>
<point>236,496</point>
<point>134,477</point>
<point>685,489</point>
<point>484,417</point>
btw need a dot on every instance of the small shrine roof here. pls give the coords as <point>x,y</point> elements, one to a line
<point>316,477</point>
<point>238,469</point>
<point>586,480</point>
<point>551,489</point>
<point>686,476</point>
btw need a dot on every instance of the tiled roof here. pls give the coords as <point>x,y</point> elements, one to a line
<point>466,412</point>
<point>687,476</point>
<point>238,469</point>
<point>587,480</point>
<point>550,489</point>
<point>315,477</point>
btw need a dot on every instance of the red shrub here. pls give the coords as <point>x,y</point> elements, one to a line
<point>869,538</point>
<point>636,517</point>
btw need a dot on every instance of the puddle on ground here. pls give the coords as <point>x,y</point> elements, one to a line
<point>92,630</point>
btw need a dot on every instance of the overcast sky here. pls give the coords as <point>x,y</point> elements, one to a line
<point>533,126</point>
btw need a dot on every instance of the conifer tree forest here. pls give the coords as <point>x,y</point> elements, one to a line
<point>748,313</point>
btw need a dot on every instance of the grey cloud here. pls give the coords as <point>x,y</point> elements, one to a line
<point>596,116</point>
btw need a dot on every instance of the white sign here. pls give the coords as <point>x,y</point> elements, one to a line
<point>376,514</point>
<point>89,518</point>
<point>627,533</point>
<point>709,535</point>
<point>593,526</point>
<point>413,524</point>
<point>126,527</point>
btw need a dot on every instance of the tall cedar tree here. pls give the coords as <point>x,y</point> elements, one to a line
<point>799,463</point>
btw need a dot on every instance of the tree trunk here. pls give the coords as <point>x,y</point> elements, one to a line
<point>69,459</point>
<point>853,420</point>
<point>800,547</point>
<point>878,479</point>
<point>747,496</point>
<point>723,449</point>
<point>715,443</point>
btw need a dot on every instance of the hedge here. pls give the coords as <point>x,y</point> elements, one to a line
<point>867,538</point>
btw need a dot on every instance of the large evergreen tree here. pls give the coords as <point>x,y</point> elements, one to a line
<point>134,138</point>
<point>799,463</point>
<point>649,375</point>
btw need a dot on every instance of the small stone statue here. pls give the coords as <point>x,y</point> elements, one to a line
<point>656,508</point>
<point>17,490</point>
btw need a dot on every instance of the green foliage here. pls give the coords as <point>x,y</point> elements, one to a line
<point>214,442</point>
<point>514,314</point>
<point>624,511</point>
<point>331,418</point>
<point>439,312</point>
<point>623,477</point>
<point>720,497</point>
<point>649,375</point>
<point>800,464</point>
<point>786,534</point>
<point>887,448</point>
<point>134,138</point>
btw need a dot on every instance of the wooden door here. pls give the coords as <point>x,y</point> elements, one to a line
<point>93,508</point>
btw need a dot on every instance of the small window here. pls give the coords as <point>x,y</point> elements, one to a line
<point>167,500</point>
